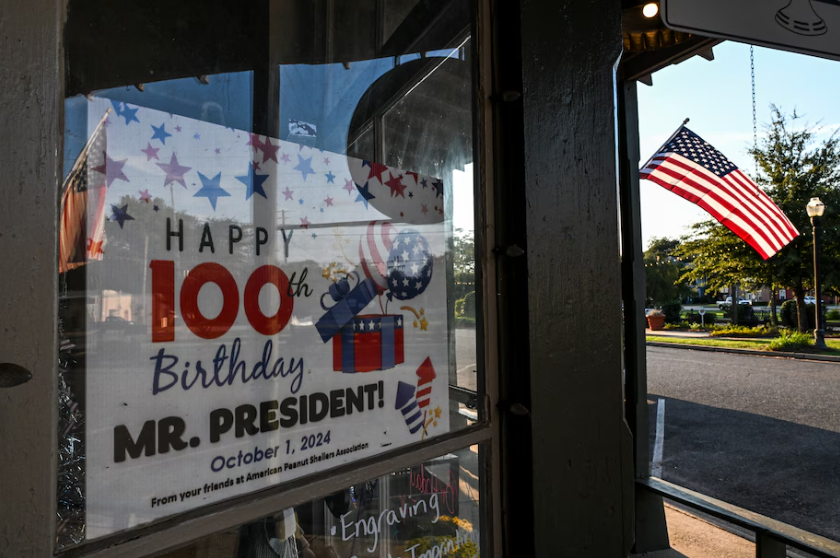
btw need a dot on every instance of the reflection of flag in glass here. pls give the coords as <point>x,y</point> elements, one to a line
<point>407,403</point>
<point>300,128</point>
<point>81,233</point>
<point>696,171</point>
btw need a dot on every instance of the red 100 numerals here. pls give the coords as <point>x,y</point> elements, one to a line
<point>163,300</point>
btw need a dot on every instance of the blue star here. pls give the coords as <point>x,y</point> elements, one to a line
<point>330,178</point>
<point>254,182</point>
<point>300,201</point>
<point>410,195</point>
<point>211,189</point>
<point>161,133</point>
<point>304,166</point>
<point>423,182</point>
<point>322,210</point>
<point>156,208</point>
<point>364,194</point>
<point>130,115</point>
<point>120,215</point>
<point>197,136</point>
<point>314,235</point>
<point>117,107</point>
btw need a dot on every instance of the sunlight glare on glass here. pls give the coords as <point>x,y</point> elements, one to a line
<point>651,9</point>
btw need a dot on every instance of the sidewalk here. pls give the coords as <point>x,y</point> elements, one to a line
<point>676,333</point>
<point>693,537</point>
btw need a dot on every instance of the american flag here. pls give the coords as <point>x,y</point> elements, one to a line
<point>81,234</point>
<point>693,169</point>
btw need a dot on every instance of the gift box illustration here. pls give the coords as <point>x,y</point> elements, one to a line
<point>347,303</point>
<point>369,342</point>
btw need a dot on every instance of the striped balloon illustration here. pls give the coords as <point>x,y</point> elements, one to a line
<point>374,249</point>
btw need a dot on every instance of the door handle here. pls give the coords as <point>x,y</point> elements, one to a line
<point>12,375</point>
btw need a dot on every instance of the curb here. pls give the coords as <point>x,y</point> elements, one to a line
<point>749,352</point>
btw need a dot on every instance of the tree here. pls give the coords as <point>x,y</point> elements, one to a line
<point>462,247</point>
<point>792,169</point>
<point>662,272</point>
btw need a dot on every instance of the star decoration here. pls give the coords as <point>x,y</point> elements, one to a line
<point>423,183</point>
<point>120,215</point>
<point>112,170</point>
<point>396,186</point>
<point>328,201</point>
<point>438,185</point>
<point>304,223</point>
<point>376,171</point>
<point>349,186</point>
<point>326,273</point>
<point>197,136</point>
<point>211,189</point>
<point>300,201</point>
<point>285,158</point>
<point>129,114</point>
<point>364,194</point>
<point>254,140</point>
<point>304,166</point>
<point>218,151</point>
<point>270,151</point>
<point>156,208</point>
<point>415,323</point>
<point>414,174</point>
<point>145,196</point>
<point>161,133</point>
<point>174,171</point>
<point>326,160</point>
<point>288,193</point>
<point>254,182</point>
<point>423,324</point>
<point>178,129</point>
<point>151,152</point>
<point>424,209</point>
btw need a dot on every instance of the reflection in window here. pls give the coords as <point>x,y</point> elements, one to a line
<point>267,263</point>
<point>429,510</point>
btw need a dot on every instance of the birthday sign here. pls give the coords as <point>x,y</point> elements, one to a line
<point>257,311</point>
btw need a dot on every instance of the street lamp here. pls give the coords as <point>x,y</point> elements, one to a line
<point>815,209</point>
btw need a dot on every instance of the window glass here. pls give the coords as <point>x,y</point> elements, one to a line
<point>432,509</point>
<point>267,265</point>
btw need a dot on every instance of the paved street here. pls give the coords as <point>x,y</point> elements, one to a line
<point>761,433</point>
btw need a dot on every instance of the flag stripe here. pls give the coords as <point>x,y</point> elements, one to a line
<point>783,222</point>
<point>744,194</point>
<point>719,208</point>
<point>731,225</point>
<point>713,184</point>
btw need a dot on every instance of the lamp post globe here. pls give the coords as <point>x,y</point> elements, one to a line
<point>816,209</point>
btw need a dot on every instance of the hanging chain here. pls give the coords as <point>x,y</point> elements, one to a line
<point>755,127</point>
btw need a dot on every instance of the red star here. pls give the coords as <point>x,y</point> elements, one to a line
<point>424,209</point>
<point>396,186</point>
<point>270,151</point>
<point>376,170</point>
<point>329,201</point>
<point>177,128</point>
<point>304,223</point>
<point>414,174</point>
<point>285,158</point>
<point>254,139</point>
<point>256,165</point>
<point>326,160</point>
<point>145,196</point>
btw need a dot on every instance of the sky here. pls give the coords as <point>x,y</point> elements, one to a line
<point>716,97</point>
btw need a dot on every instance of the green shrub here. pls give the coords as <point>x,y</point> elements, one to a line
<point>833,315</point>
<point>745,331</point>
<point>707,320</point>
<point>791,341</point>
<point>694,326</point>
<point>674,326</point>
<point>789,314</point>
<point>469,305</point>
<point>672,311</point>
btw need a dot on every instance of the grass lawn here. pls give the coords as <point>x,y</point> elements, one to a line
<point>755,344</point>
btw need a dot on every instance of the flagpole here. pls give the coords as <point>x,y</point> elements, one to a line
<point>667,141</point>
